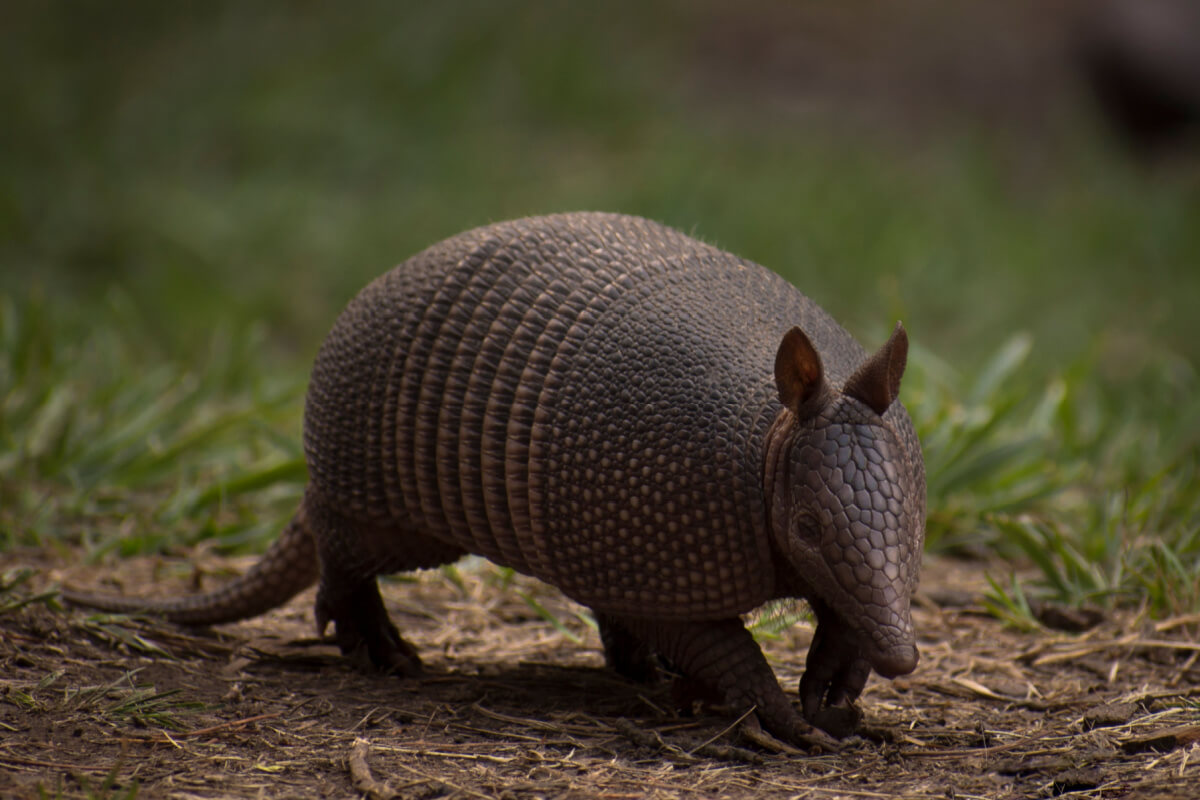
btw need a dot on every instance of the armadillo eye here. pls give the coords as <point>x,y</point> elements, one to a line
<point>805,524</point>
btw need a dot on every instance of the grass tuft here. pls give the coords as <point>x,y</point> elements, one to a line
<point>97,433</point>
<point>770,621</point>
<point>987,443</point>
<point>1094,484</point>
<point>548,616</point>
<point>124,702</point>
<point>1009,604</point>
<point>13,598</point>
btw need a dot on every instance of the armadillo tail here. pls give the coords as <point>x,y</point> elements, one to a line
<point>288,567</point>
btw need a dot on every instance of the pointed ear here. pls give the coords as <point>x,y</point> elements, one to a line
<point>799,375</point>
<point>876,382</point>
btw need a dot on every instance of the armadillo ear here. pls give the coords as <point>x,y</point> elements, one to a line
<point>876,382</point>
<point>798,371</point>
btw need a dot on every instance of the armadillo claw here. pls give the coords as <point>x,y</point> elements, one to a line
<point>385,650</point>
<point>796,737</point>
<point>837,721</point>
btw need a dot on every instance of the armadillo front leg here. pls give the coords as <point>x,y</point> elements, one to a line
<point>834,677</point>
<point>723,657</point>
<point>352,553</point>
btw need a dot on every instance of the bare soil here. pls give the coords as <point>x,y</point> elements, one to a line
<point>512,708</point>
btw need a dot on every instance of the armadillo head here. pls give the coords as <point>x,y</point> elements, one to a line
<point>847,515</point>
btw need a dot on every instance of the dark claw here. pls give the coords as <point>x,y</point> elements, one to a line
<point>838,721</point>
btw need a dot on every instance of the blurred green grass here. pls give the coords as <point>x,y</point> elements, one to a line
<point>190,192</point>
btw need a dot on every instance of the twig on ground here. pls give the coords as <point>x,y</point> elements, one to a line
<point>360,773</point>
<point>651,741</point>
<point>722,732</point>
<point>233,723</point>
<point>413,751</point>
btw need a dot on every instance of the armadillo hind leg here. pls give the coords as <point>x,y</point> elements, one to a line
<point>352,554</point>
<point>721,658</point>
<point>624,653</point>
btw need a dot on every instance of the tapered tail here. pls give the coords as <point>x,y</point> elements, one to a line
<point>288,567</point>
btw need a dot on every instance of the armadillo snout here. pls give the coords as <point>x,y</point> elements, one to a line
<point>886,637</point>
<point>899,660</point>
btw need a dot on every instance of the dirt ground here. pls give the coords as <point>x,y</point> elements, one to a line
<point>513,708</point>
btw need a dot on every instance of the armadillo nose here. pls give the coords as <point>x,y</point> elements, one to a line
<point>895,661</point>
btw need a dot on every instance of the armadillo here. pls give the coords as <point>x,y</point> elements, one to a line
<point>669,434</point>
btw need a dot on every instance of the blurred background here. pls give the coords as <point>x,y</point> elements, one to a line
<point>202,186</point>
<point>940,162</point>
